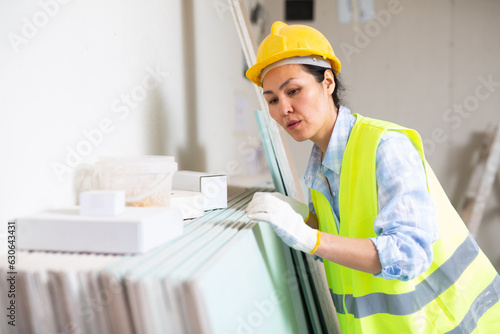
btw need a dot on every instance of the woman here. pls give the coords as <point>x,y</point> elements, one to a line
<point>397,256</point>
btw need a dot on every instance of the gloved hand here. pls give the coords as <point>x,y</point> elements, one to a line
<point>299,207</point>
<point>288,224</point>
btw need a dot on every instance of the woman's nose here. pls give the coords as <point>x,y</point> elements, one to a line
<point>285,107</point>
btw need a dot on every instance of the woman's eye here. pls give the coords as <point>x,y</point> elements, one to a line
<point>293,91</point>
<point>272,100</point>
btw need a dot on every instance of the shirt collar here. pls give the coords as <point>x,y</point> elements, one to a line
<point>336,147</point>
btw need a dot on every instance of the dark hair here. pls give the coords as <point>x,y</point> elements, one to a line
<point>319,75</point>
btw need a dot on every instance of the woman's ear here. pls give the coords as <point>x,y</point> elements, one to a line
<point>329,82</point>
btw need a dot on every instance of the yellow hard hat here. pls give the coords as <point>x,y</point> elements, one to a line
<point>291,41</point>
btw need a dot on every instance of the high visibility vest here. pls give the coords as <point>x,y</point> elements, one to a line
<point>460,291</point>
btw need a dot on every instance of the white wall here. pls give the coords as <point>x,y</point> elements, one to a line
<point>224,141</point>
<point>74,71</point>
<point>412,66</point>
<point>71,69</point>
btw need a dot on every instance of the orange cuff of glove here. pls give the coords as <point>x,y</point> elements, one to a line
<point>318,241</point>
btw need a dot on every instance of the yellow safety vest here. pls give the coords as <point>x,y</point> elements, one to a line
<point>460,291</point>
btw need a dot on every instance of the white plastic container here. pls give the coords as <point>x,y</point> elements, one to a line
<point>146,180</point>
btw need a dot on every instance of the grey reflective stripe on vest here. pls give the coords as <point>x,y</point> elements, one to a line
<point>425,291</point>
<point>486,299</point>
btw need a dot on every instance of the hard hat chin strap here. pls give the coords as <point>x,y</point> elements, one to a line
<point>304,60</point>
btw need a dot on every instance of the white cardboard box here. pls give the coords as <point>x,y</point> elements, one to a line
<point>103,203</point>
<point>137,230</point>
<point>191,203</point>
<point>212,186</point>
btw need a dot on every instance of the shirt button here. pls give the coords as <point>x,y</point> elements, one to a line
<point>333,194</point>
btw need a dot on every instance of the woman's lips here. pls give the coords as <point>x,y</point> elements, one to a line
<point>293,124</point>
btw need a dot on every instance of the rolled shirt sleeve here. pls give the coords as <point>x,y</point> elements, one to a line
<point>406,225</point>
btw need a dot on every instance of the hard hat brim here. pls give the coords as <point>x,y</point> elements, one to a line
<point>253,73</point>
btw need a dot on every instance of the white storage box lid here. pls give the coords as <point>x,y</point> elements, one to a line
<point>137,230</point>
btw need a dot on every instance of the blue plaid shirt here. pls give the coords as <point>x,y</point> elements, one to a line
<point>406,224</point>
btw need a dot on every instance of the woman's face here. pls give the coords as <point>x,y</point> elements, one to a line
<point>301,105</point>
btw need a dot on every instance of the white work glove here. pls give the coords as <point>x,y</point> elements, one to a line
<point>299,207</point>
<point>289,225</point>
